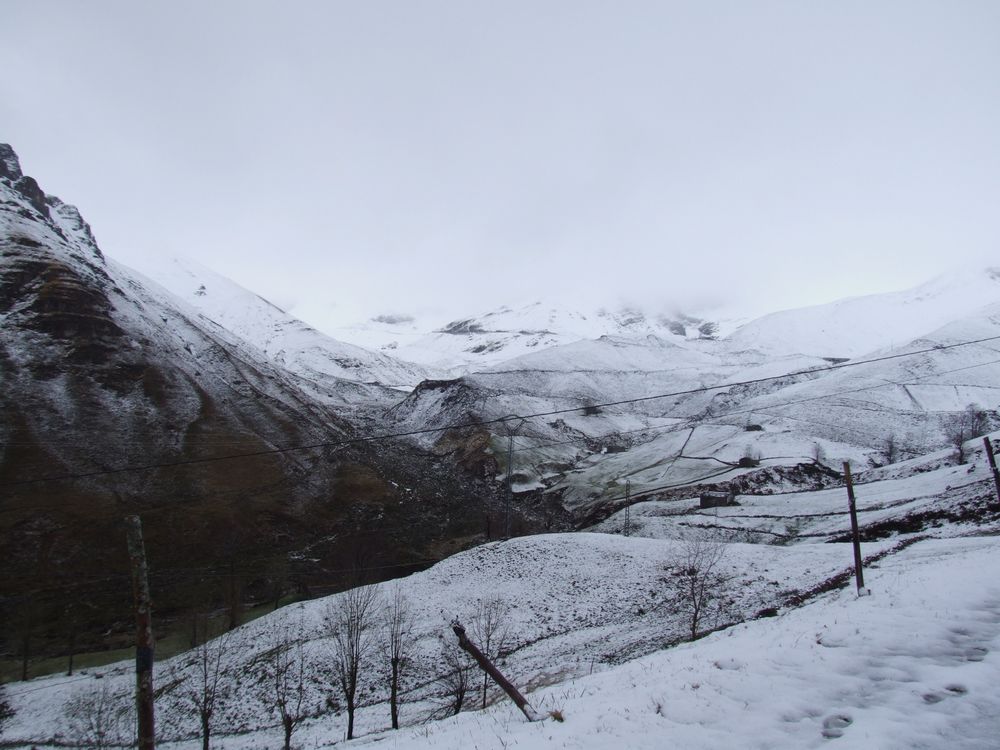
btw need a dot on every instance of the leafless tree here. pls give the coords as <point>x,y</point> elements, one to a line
<point>818,454</point>
<point>490,629</point>
<point>6,712</point>
<point>350,617</point>
<point>286,672</point>
<point>456,679</point>
<point>965,425</point>
<point>201,690</point>
<point>23,631</point>
<point>397,640</point>
<point>890,448</point>
<point>101,717</point>
<point>234,590</point>
<point>697,584</point>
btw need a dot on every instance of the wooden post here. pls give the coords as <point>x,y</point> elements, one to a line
<point>628,506</point>
<point>492,671</point>
<point>144,633</point>
<point>993,465</point>
<point>858,573</point>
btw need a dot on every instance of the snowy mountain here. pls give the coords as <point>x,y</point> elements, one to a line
<point>543,359</point>
<point>252,446</point>
<point>119,398</point>
<point>487,340</point>
<point>687,411</point>
<point>286,341</point>
<point>847,328</point>
<point>858,325</point>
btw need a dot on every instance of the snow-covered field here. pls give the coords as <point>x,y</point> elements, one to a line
<point>914,665</point>
<point>596,639</point>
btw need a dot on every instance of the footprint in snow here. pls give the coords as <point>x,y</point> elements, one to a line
<point>976,653</point>
<point>728,664</point>
<point>834,726</point>
<point>933,698</point>
<point>957,689</point>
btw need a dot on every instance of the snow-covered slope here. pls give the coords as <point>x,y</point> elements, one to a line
<point>596,637</point>
<point>855,326</point>
<point>725,408</point>
<point>845,328</point>
<point>489,339</point>
<point>912,666</point>
<point>286,341</point>
<point>119,398</point>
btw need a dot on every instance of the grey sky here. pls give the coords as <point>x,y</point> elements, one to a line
<point>354,158</point>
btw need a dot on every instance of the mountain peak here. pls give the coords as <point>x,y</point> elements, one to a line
<point>10,167</point>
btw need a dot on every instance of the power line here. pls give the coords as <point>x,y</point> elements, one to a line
<point>686,421</point>
<point>484,423</point>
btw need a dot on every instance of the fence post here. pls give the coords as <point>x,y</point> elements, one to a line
<point>993,465</point>
<point>144,633</point>
<point>859,575</point>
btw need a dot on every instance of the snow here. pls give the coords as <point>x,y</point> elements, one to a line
<point>850,327</point>
<point>912,665</point>
<point>283,339</point>
<point>858,325</point>
<point>498,336</point>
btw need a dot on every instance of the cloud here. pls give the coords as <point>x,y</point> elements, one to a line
<point>374,158</point>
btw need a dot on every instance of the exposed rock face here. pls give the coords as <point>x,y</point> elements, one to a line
<point>102,372</point>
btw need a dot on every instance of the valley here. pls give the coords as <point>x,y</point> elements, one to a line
<point>493,458</point>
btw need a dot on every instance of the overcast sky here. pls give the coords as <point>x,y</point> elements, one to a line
<point>347,159</point>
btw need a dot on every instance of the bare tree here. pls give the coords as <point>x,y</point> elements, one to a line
<point>277,581</point>
<point>490,627</point>
<point>23,630</point>
<point>397,639</point>
<point>234,591</point>
<point>350,619</point>
<point>965,425</point>
<point>698,587</point>
<point>818,454</point>
<point>6,712</point>
<point>456,680</point>
<point>286,670</point>
<point>890,448</point>
<point>101,717</point>
<point>72,625</point>
<point>201,690</point>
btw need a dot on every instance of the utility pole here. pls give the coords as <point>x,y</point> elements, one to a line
<point>628,505</point>
<point>993,465</point>
<point>487,666</point>
<point>511,431</point>
<point>143,632</point>
<point>858,573</point>
<point>510,488</point>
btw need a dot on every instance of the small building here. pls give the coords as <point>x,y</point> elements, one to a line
<point>718,499</point>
